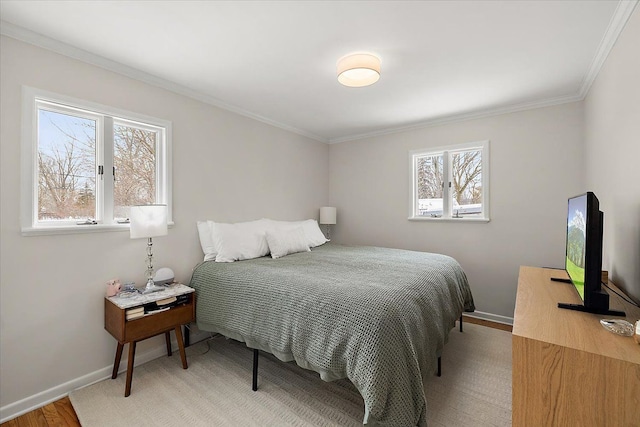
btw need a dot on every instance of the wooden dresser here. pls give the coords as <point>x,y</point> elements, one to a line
<point>567,369</point>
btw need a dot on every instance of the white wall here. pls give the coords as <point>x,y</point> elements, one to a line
<point>225,167</point>
<point>612,134</point>
<point>535,160</point>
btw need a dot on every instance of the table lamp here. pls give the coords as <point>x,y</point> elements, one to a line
<point>327,217</point>
<point>148,221</point>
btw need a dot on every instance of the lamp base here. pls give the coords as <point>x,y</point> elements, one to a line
<point>151,287</point>
<point>328,233</point>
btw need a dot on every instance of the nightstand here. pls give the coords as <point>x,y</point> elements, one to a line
<point>149,325</point>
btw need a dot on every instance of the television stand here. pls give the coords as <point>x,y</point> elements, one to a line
<point>580,307</point>
<point>567,369</point>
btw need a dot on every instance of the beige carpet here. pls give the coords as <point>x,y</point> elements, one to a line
<point>474,390</point>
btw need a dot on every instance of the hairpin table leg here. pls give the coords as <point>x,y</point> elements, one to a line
<point>254,386</point>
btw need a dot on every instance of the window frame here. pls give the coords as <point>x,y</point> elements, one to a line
<point>446,152</point>
<point>32,100</point>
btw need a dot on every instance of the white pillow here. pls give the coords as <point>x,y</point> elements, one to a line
<point>205,230</point>
<point>284,242</point>
<point>239,241</point>
<point>314,234</point>
<point>315,237</point>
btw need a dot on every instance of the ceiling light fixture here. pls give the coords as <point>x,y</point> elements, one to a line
<point>358,70</point>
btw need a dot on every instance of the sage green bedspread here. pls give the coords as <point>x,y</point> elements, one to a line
<point>377,316</point>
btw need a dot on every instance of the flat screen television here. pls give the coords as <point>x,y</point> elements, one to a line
<point>583,256</point>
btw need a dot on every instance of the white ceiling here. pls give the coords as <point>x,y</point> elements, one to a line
<point>276,61</point>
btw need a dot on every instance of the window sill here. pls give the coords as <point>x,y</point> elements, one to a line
<point>428,218</point>
<point>76,229</point>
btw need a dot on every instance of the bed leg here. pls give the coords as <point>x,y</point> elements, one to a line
<point>254,385</point>
<point>461,323</point>
<point>440,366</point>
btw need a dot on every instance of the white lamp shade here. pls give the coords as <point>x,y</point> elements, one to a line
<point>327,215</point>
<point>148,221</point>
<point>358,70</point>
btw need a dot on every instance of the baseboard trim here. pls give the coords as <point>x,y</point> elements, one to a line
<point>28,404</point>
<point>491,317</point>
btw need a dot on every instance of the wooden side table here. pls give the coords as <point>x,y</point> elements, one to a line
<point>132,331</point>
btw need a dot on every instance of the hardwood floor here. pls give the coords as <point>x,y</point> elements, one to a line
<point>61,414</point>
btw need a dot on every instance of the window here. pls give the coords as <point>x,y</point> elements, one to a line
<point>85,165</point>
<point>450,183</point>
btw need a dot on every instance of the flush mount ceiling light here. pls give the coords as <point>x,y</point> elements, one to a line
<point>358,70</point>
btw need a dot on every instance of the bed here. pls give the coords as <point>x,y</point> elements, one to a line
<point>377,316</point>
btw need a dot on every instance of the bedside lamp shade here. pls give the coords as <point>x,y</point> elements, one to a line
<point>327,215</point>
<point>148,221</point>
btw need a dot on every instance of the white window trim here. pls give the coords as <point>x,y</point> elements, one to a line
<point>413,190</point>
<point>28,156</point>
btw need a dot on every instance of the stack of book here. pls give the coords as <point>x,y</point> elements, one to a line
<point>155,307</point>
<point>166,301</point>
<point>134,313</point>
<point>164,304</point>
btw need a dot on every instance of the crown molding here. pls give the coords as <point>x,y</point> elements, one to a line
<point>463,117</point>
<point>19,33</point>
<point>617,23</point>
